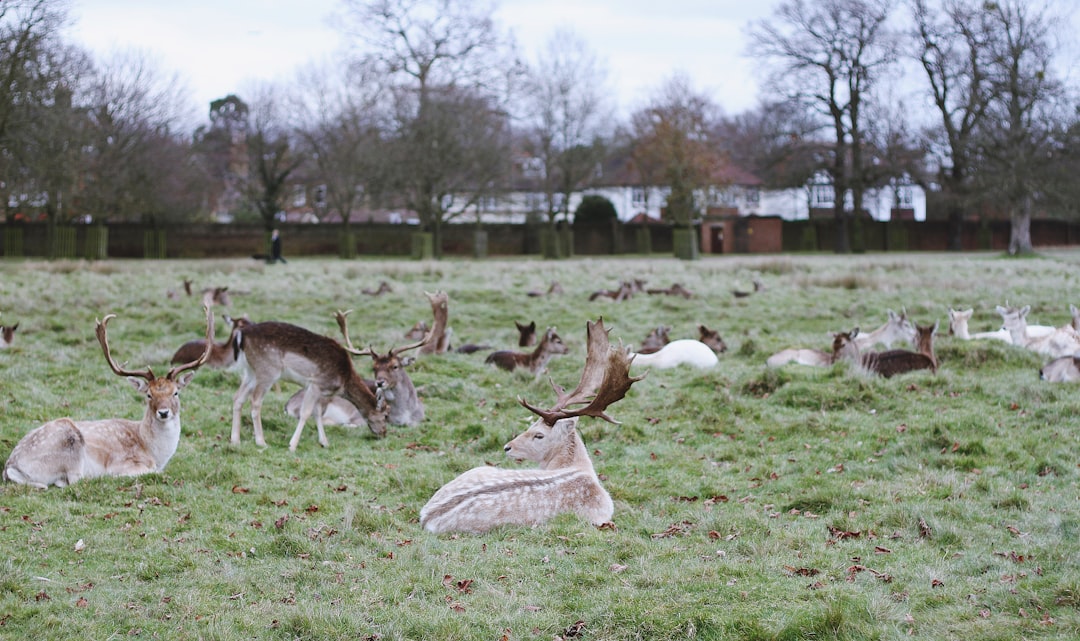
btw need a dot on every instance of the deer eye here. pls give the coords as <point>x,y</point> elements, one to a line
<point>538,436</point>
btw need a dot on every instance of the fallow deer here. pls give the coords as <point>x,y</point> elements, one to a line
<point>7,335</point>
<point>899,361</point>
<point>271,350</point>
<point>217,296</point>
<point>417,331</point>
<point>384,288</point>
<point>958,327</point>
<point>1061,370</point>
<point>712,338</point>
<point>63,451</point>
<point>550,345</point>
<point>566,481</point>
<point>222,355</point>
<point>896,328</point>
<point>627,289</point>
<point>680,352</point>
<point>843,348</point>
<point>656,339</point>
<point>439,340</point>
<point>526,334</point>
<point>554,288</point>
<point>1062,341</point>
<point>676,289</point>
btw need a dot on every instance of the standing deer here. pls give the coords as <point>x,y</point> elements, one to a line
<point>439,334</point>
<point>269,351</point>
<point>63,451</point>
<point>843,348</point>
<point>534,361</point>
<point>566,482</point>
<point>222,355</point>
<point>899,361</point>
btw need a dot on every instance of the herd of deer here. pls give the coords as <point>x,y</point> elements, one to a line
<point>63,451</point>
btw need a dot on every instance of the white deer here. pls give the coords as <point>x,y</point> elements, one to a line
<point>1063,341</point>
<point>684,351</point>
<point>566,482</point>
<point>896,328</point>
<point>843,348</point>
<point>958,327</point>
<point>63,451</point>
<point>271,350</point>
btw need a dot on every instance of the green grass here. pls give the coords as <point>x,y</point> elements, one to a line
<point>749,504</point>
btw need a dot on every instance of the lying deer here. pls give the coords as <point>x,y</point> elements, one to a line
<point>712,338</point>
<point>417,331</point>
<point>627,289</point>
<point>439,334</point>
<point>843,348</point>
<point>271,350</point>
<point>526,334</point>
<point>216,296</point>
<point>554,288</point>
<point>676,289</point>
<point>1062,341</point>
<point>1061,370</point>
<point>566,482</point>
<point>899,361</point>
<point>896,328</point>
<point>63,451</point>
<point>7,335</point>
<point>680,352</point>
<point>535,361</point>
<point>655,340</point>
<point>384,288</point>
<point>222,355</point>
<point>958,327</point>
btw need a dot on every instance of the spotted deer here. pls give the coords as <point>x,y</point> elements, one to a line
<point>63,451</point>
<point>899,361</point>
<point>843,348</point>
<point>222,355</point>
<point>271,350</point>
<point>550,345</point>
<point>566,481</point>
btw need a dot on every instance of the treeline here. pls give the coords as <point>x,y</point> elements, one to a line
<point>435,113</point>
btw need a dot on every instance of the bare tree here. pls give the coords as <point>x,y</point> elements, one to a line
<point>272,154</point>
<point>437,53</point>
<point>567,112</point>
<point>828,54</point>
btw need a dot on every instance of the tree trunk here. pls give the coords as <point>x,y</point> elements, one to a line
<point>841,237</point>
<point>1020,230</point>
<point>955,229</point>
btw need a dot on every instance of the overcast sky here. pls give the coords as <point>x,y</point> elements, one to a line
<point>220,46</point>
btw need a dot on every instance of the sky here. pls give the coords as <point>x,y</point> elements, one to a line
<point>218,47</point>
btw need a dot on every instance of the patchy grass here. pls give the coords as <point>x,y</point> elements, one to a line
<point>750,504</point>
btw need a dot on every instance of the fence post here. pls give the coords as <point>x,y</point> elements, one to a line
<point>13,242</point>
<point>154,243</point>
<point>97,242</point>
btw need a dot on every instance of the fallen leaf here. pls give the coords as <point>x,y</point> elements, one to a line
<point>80,545</point>
<point>576,628</point>
<point>236,489</point>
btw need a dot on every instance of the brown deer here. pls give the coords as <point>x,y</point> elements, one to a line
<point>626,290</point>
<point>843,348</point>
<point>272,350</point>
<point>898,361</point>
<point>7,335</point>
<point>417,331</point>
<point>712,338</point>
<point>217,296</point>
<point>655,340</point>
<point>676,289</point>
<point>63,451</point>
<point>535,361</point>
<point>566,482</point>
<point>526,334</point>
<point>439,339</point>
<point>384,288</point>
<point>222,355</point>
<point>554,288</point>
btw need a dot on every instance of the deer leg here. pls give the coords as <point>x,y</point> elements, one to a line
<point>320,409</point>
<point>247,385</point>
<point>256,411</point>
<point>307,406</point>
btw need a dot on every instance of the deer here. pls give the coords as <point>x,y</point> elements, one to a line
<point>7,335</point>
<point>439,339</point>
<point>222,355</point>
<point>526,334</point>
<point>550,345</point>
<point>897,327</point>
<point>676,289</point>
<point>565,481</point>
<point>64,450</point>
<point>656,339</point>
<point>269,351</point>
<point>417,331</point>
<point>216,296</point>
<point>843,348</point>
<point>899,361</point>
<point>758,286</point>
<point>1061,370</point>
<point>384,288</point>
<point>627,289</point>
<point>554,288</point>
<point>712,339</point>
<point>1063,341</point>
<point>958,327</point>
<point>679,352</point>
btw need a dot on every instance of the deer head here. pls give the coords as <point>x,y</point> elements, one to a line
<point>389,367</point>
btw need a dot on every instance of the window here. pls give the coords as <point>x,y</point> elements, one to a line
<point>637,196</point>
<point>753,195</point>
<point>299,196</point>
<point>823,195</point>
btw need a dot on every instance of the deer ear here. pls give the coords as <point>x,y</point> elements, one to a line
<point>408,360</point>
<point>184,379</point>
<point>140,384</point>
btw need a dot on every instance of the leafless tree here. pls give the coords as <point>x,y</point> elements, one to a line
<point>828,54</point>
<point>271,151</point>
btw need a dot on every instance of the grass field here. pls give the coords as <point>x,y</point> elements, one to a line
<point>800,503</point>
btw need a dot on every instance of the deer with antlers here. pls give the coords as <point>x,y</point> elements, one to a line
<point>566,482</point>
<point>271,350</point>
<point>63,451</point>
<point>222,355</point>
<point>438,340</point>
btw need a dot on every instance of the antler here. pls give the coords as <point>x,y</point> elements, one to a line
<point>103,338</point>
<point>420,343</point>
<point>606,378</point>
<point>343,325</point>
<point>174,372</point>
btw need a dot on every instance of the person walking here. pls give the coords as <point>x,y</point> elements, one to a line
<point>275,248</point>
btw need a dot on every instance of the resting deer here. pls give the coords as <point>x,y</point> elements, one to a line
<point>217,296</point>
<point>384,288</point>
<point>417,331</point>
<point>896,328</point>
<point>566,482</point>
<point>958,327</point>
<point>1061,370</point>
<point>843,348</point>
<point>526,334</point>
<point>7,335</point>
<point>627,289</point>
<point>550,345</point>
<point>439,339</point>
<point>63,451</point>
<point>899,361</point>
<point>1063,341</point>
<point>681,352</point>
<point>554,288</point>
<point>676,289</point>
<point>269,351</point>
<point>712,338</point>
<point>655,340</point>
<point>222,355</point>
